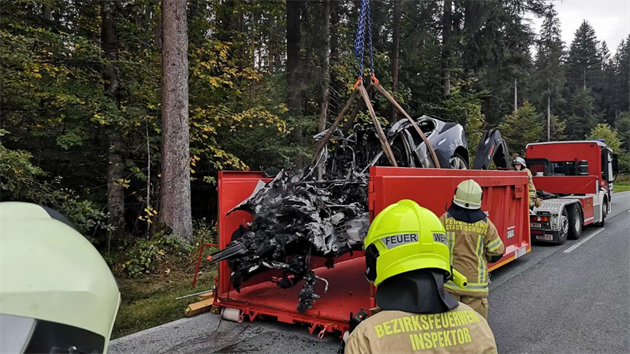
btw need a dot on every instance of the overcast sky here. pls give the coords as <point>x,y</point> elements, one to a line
<point>609,18</point>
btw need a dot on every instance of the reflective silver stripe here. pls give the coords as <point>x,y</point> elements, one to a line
<point>478,287</point>
<point>450,284</point>
<point>450,235</point>
<point>479,259</point>
<point>493,246</point>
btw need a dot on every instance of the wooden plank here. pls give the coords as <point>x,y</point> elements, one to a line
<point>198,307</point>
<point>207,296</point>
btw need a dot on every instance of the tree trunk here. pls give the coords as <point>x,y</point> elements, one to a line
<point>306,43</point>
<point>157,30</point>
<point>46,12</point>
<point>335,84</point>
<point>325,60</point>
<point>446,50</point>
<point>294,67</point>
<point>293,56</point>
<point>515,95</point>
<point>549,113</point>
<point>115,192</point>
<point>375,9</point>
<point>241,39</point>
<point>584,75</point>
<point>395,53</point>
<point>175,199</point>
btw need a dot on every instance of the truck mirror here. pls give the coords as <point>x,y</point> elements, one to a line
<point>615,165</point>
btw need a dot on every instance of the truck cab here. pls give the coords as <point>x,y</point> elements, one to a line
<point>574,179</point>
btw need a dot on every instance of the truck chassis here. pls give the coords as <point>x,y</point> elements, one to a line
<point>557,220</point>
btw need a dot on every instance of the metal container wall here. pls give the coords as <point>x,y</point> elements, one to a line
<point>505,201</point>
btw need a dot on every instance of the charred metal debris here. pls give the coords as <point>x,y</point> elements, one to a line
<point>297,216</point>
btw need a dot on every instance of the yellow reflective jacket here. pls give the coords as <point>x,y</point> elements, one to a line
<point>461,330</point>
<point>532,187</point>
<point>471,245</point>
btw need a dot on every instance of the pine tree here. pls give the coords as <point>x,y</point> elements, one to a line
<point>622,76</point>
<point>522,127</point>
<point>605,94</point>
<point>602,104</point>
<point>549,77</point>
<point>584,60</point>
<point>583,117</point>
<point>558,129</point>
<point>623,128</point>
<point>496,51</point>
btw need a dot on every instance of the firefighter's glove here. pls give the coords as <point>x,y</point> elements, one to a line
<point>494,258</point>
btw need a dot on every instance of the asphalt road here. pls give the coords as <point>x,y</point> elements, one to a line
<point>573,298</point>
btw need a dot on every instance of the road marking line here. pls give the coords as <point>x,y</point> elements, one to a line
<point>582,241</point>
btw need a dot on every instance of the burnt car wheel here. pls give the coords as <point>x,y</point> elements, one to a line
<point>458,162</point>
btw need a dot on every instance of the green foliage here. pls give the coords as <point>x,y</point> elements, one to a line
<point>583,117</point>
<point>160,253</point>
<point>623,128</point>
<point>522,127</point>
<point>558,129</point>
<point>624,163</point>
<point>21,180</point>
<point>83,213</point>
<point>17,173</point>
<point>584,61</point>
<point>145,255</point>
<point>204,232</point>
<point>610,136</point>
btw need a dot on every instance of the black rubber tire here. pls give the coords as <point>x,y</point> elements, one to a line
<point>576,222</point>
<point>462,162</point>
<point>564,231</point>
<point>604,214</point>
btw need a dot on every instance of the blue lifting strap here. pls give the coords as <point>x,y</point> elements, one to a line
<point>359,40</point>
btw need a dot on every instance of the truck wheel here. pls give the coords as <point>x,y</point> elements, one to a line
<point>564,227</point>
<point>604,214</point>
<point>576,222</point>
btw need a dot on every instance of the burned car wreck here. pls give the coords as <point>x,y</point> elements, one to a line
<point>362,148</point>
<point>322,210</point>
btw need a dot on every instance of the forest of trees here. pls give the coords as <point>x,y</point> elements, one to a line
<point>92,124</point>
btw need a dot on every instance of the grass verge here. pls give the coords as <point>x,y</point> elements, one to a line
<point>621,187</point>
<point>150,301</point>
<point>622,184</point>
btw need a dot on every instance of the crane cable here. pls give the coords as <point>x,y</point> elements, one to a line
<point>359,51</point>
<point>359,39</point>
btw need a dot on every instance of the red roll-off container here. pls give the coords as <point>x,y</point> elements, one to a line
<point>505,201</point>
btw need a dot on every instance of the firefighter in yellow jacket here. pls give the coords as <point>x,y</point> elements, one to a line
<point>473,241</point>
<point>520,165</point>
<point>408,259</point>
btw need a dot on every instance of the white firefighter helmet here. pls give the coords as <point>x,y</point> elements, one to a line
<point>468,195</point>
<point>519,161</point>
<point>57,294</point>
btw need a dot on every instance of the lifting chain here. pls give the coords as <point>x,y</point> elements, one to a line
<point>359,40</point>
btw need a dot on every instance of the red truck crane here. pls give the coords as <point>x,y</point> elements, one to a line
<point>574,179</point>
